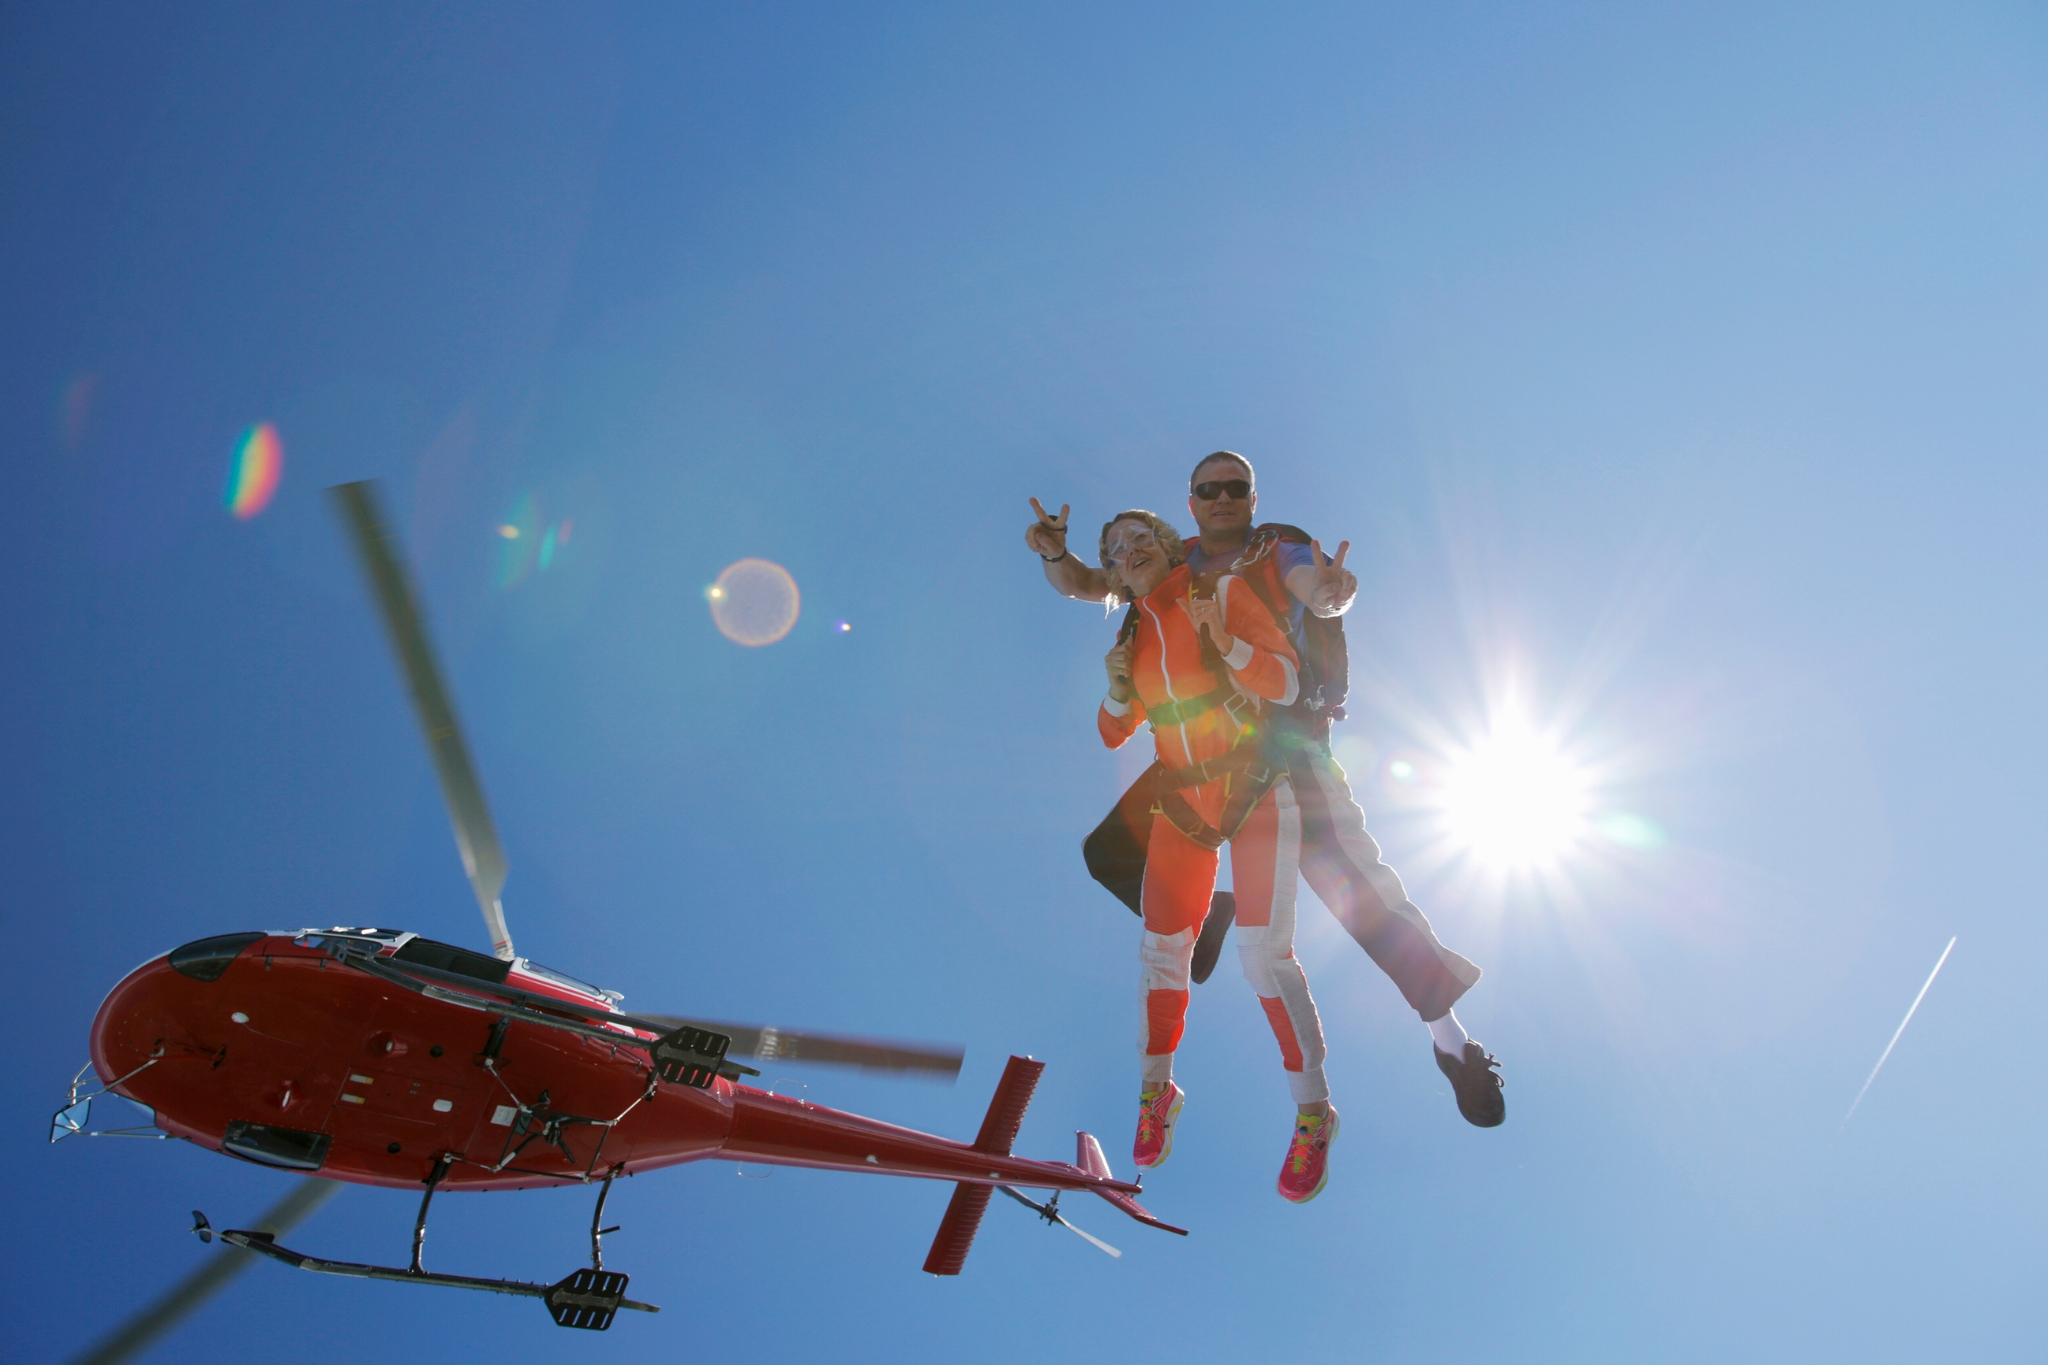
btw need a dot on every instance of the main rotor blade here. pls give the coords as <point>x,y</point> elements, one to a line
<point>209,1279</point>
<point>483,858</point>
<point>757,1044</point>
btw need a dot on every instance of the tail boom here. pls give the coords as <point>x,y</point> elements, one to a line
<point>778,1130</point>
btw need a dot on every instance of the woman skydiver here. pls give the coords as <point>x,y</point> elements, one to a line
<point>1199,658</point>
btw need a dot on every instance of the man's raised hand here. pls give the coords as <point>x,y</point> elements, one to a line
<point>1335,585</point>
<point>1047,536</point>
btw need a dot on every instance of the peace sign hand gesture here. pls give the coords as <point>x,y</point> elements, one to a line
<point>1047,536</point>
<point>1335,585</point>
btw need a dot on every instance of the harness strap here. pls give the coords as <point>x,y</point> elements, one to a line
<point>1187,820</point>
<point>1255,777</point>
<point>1208,770</point>
<point>1180,712</point>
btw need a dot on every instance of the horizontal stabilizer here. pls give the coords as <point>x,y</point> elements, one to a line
<point>998,1132</point>
<point>957,1229</point>
<point>1006,1108</point>
<point>1088,1156</point>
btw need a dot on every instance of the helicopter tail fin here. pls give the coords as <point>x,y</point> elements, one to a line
<point>998,1133</point>
<point>1088,1156</point>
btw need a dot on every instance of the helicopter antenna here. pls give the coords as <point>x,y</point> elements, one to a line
<point>483,858</point>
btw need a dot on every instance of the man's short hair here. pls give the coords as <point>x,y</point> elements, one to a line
<point>1240,461</point>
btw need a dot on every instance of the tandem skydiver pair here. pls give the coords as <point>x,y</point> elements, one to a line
<point>1232,647</point>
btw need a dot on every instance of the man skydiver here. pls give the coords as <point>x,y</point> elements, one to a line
<point>1338,857</point>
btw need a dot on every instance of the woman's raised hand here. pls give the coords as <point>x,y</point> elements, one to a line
<point>1118,664</point>
<point>1207,614</point>
<point>1047,536</point>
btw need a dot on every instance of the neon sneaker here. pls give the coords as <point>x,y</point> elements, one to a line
<point>1158,1111</point>
<point>1307,1167</point>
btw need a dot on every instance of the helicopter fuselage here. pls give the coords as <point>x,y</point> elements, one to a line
<point>289,1056</point>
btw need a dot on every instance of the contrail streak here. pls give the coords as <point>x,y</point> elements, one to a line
<point>1901,1029</point>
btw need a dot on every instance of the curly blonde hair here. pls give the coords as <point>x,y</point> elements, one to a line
<point>1169,541</point>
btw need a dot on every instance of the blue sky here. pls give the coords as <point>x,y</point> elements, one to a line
<point>1674,371</point>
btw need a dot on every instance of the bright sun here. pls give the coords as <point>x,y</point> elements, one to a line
<point>1513,800</point>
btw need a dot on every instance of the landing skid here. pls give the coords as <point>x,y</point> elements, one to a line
<point>586,1298</point>
<point>589,1298</point>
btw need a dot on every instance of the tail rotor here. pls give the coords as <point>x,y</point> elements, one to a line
<point>1049,1212</point>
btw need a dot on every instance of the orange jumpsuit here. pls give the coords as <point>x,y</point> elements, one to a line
<point>1167,671</point>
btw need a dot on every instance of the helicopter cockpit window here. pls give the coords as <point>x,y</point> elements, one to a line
<point>561,979</point>
<point>291,1148</point>
<point>448,958</point>
<point>206,958</point>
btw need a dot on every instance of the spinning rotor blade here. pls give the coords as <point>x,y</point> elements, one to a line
<point>482,856</point>
<point>209,1279</point>
<point>1050,1213</point>
<point>825,1049</point>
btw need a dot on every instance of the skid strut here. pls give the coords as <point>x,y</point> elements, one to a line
<point>597,1232</point>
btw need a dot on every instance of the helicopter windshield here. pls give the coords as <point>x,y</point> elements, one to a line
<point>449,958</point>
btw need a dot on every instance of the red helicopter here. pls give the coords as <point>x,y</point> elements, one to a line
<point>378,1057</point>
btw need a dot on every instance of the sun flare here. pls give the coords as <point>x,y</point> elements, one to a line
<point>1514,800</point>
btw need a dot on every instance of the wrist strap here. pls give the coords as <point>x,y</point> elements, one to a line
<point>1056,558</point>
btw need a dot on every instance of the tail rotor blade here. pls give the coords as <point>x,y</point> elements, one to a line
<point>212,1276</point>
<point>755,1043</point>
<point>1087,1237</point>
<point>483,858</point>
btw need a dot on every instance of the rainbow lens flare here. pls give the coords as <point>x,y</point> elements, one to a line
<point>754,602</point>
<point>528,543</point>
<point>254,472</point>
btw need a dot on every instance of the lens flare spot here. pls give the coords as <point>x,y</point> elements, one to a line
<point>529,543</point>
<point>1630,831</point>
<point>519,534</point>
<point>254,471</point>
<point>842,627</point>
<point>1402,771</point>
<point>754,602</point>
<point>1514,800</point>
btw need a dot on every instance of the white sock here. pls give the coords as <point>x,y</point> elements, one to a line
<point>1449,1034</point>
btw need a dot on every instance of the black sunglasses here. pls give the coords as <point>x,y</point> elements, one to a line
<point>1216,488</point>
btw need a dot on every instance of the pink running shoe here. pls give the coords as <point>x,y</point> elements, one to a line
<point>1158,1110</point>
<point>1307,1167</point>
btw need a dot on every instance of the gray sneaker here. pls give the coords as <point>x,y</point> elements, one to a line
<point>1473,1080</point>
